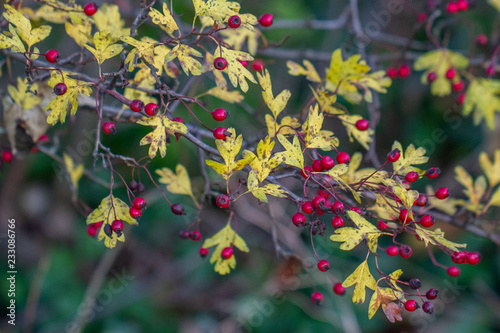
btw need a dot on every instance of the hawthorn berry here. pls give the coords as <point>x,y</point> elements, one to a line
<point>473,258</point>
<point>459,257</point>
<point>140,188</point>
<point>151,109</point>
<point>323,265</point>
<point>139,203</point>
<point>133,185</point>
<point>404,216</point>
<point>432,293</point>
<point>318,202</point>
<point>490,70</point>
<point>428,307</point>
<point>298,219</point>
<point>421,200</point>
<point>450,73</point>
<point>203,252</point>
<point>60,89</point>
<point>195,235</point>
<point>306,172</point>
<point>220,63</point>
<point>432,172</point>
<point>266,20</point>
<point>442,193</point>
<point>337,222</point>
<point>220,133</point>
<point>392,250</point>
<point>343,157</point>
<point>411,176</point>
<point>234,21</point>
<point>178,119</point>
<point>317,297</point>
<point>460,99</point>
<point>453,271</point>
<point>458,86</point>
<point>227,253</point>
<point>117,226</point>
<point>258,65</point>
<point>338,289</point>
<point>427,221</point>
<point>93,228</point>
<point>184,234</point>
<point>481,40</point>
<point>422,17</point>
<point>452,8</point>
<point>7,156</point>
<point>381,225</point>
<point>431,77</point>
<point>52,56</point>
<point>244,63</point>
<point>462,5</point>
<point>414,283</point>
<point>307,207</point>
<point>107,230</point>
<point>394,155</point>
<point>337,207</point>
<point>220,114</point>
<point>316,165</point>
<point>136,105</point>
<point>362,124</point>
<point>327,162</point>
<point>356,209</point>
<point>392,72</point>
<point>222,201</point>
<point>108,127</point>
<point>90,8</point>
<point>405,251</point>
<point>177,209</point>
<point>404,71</point>
<point>134,212</point>
<point>411,305</point>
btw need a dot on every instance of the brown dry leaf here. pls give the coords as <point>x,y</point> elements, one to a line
<point>392,312</point>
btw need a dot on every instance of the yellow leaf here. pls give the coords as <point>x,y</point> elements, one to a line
<point>236,38</point>
<point>351,237</point>
<point>185,54</point>
<point>276,105</point>
<point>314,137</point>
<point>165,20</point>
<point>436,237</point>
<point>104,49</point>
<point>491,170</point>
<point>384,207</point>
<point>495,3</point>
<point>362,278</point>
<point>111,209</point>
<point>285,127</point>
<point>308,70</point>
<point>406,197</point>
<point>326,102</point>
<point>24,95</point>
<point>75,172</point>
<point>354,175</point>
<point>293,153</point>
<point>473,190</point>
<point>218,10</point>
<point>495,198</point>
<point>263,163</point>
<point>226,237</point>
<point>50,14</point>
<point>260,191</point>
<point>23,27</point>
<point>178,182</point>
<point>80,29</point>
<point>108,18</point>
<point>410,157</point>
<point>382,296</point>
<point>158,138</point>
<point>144,49</point>
<point>228,96</point>
<point>236,72</point>
<point>483,98</point>
<point>363,137</point>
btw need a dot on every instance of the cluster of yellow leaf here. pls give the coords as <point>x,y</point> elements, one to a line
<point>111,209</point>
<point>157,139</point>
<point>482,98</point>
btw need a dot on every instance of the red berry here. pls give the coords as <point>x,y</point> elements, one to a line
<point>258,65</point>
<point>90,8</point>
<point>394,155</point>
<point>317,297</point>
<point>460,99</point>
<point>405,251</point>
<point>337,207</point>
<point>458,86</point>
<point>220,63</point>
<point>134,212</point>
<point>392,72</point>
<point>431,77</point>
<point>411,176</point>
<point>473,258</point>
<point>7,156</point>
<point>219,114</point>
<point>362,124</point>
<point>411,305</point>
<point>481,40</point>
<point>421,200</point>
<point>462,5</point>
<point>136,105</point>
<point>403,71</point>
<point>327,162</point>
<point>177,209</point>
<point>442,193</point>
<point>307,207</point>
<point>117,226</point>
<point>108,127</point>
<point>60,89</point>
<point>404,216</point>
<point>422,17</point>
<point>323,265</point>
<point>428,307</point>
<point>139,203</point>
<point>339,289</point>
<point>337,222</point>
<point>459,257</point>
<point>450,73</point>
<point>298,219</point>
<point>306,172</point>
<point>432,293</point>
<point>318,202</point>
<point>195,235</point>
<point>151,109</point>
<point>222,201</point>
<point>356,209</point>
<point>266,20</point>
<point>244,63</point>
<point>427,221</point>
<point>227,253</point>
<point>52,56</point>
<point>178,119</point>
<point>93,228</point>
<point>433,173</point>
<point>490,70</point>
<point>220,133</point>
<point>452,8</point>
<point>184,234</point>
<point>203,252</point>
<point>343,157</point>
<point>381,225</point>
<point>234,21</point>
<point>316,166</point>
<point>392,250</point>
<point>453,271</point>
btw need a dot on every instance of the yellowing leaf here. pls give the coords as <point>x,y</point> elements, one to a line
<point>80,29</point>
<point>382,296</point>
<point>14,43</point>
<point>50,14</point>
<point>178,182</point>
<point>108,18</point>
<point>164,20</point>
<point>406,197</point>
<point>314,137</point>
<point>363,137</point>
<point>185,54</point>
<point>104,49</point>
<point>436,237</point>
<point>158,138</point>
<point>351,237</point>
<point>218,10</point>
<point>353,175</point>
<point>439,62</point>
<point>473,190</point>
<point>483,99</point>
<point>23,27</point>
<point>285,127</point>
<point>75,172</point>
<point>236,72</point>
<point>263,163</point>
<point>226,237</point>
<point>308,70</point>
<point>326,102</point>
<point>236,38</point>
<point>24,95</point>
<point>228,96</point>
<point>228,150</point>
<point>410,157</point>
<point>276,105</point>
<point>260,191</point>
<point>293,153</point>
<point>384,207</point>
<point>491,170</point>
<point>144,49</point>
<point>495,3</point>
<point>111,209</point>
<point>495,198</point>
<point>362,278</point>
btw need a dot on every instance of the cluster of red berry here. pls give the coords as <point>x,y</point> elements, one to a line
<point>403,72</point>
<point>454,7</point>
